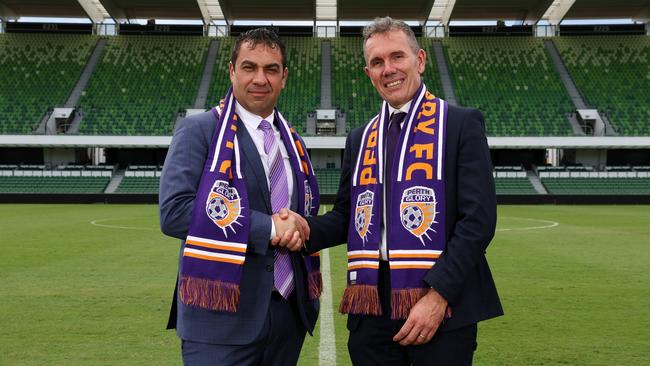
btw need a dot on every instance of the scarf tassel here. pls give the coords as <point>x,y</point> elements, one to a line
<point>209,294</point>
<point>315,281</point>
<point>402,301</point>
<point>360,299</point>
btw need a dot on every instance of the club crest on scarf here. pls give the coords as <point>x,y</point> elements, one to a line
<point>223,206</point>
<point>363,213</point>
<point>418,211</point>
<point>308,199</point>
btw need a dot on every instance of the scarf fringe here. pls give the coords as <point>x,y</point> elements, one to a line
<point>209,294</point>
<point>360,299</point>
<point>403,300</point>
<point>315,281</point>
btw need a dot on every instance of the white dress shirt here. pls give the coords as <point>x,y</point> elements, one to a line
<point>252,122</point>
<point>383,251</point>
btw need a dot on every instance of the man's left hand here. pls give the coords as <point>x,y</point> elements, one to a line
<point>423,320</point>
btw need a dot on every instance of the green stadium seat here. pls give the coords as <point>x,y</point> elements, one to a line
<point>512,81</point>
<point>613,74</point>
<point>37,73</point>
<point>142,83</point>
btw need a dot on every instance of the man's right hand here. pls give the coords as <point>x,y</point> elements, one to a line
<point>291,230</point>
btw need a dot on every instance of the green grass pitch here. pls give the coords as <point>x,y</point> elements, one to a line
<point>91,285</point>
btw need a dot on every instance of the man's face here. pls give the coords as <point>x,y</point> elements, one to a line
<point>393,67</point>
<point>258,77</point>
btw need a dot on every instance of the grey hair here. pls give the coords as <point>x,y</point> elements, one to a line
<point>387,24</point>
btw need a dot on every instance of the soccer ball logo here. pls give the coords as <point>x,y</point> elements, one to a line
<point>360,222</point>
<point>217,208</point>
<point>418,211</point>
<point>223,206</point>
<point>363,214</point>
<point>412,217</point>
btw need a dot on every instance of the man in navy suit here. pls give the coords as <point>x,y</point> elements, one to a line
<point>458,290</point>
<point>267,328</point>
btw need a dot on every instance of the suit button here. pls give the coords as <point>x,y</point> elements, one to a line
<point>269,268</point>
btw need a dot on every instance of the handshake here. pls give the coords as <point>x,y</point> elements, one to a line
<point>291,230</point>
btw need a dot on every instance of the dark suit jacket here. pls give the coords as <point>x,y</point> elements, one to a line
<point>461,275</point>
<point>178,184</point>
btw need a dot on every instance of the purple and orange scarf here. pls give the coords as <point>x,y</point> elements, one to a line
<point>416,232</point>
<point>216,243</point>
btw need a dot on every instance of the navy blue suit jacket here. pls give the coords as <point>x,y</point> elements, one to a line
<point>178,185</point>
<point>461,275</point>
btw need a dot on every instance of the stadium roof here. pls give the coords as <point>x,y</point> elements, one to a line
<point>529,11</point>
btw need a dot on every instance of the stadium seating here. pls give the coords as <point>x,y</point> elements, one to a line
<point>220,74</point>
<point>37,73</point>
<point>514,186</point>
<point>302,92</point>
<point>613,74</point>
<point>36,179</point>
<point>328,180</point>
<point>597,185</point>
<point>585,180</point>
<point>140,179</point>
<point>139,185</point>
<point>431,76</point>
<point>142,83</point>
<point>512,81</point>
<point>512,180</point>
<point>352,91</point>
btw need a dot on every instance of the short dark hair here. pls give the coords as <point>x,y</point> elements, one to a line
<point>257,36</point>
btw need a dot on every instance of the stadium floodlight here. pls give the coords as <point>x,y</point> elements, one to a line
<point>441,11</point>
<point>211,11</point>
<point>557,10</point>
<point>95,10</point>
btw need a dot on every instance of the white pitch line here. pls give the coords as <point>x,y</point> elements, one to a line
<point>97,223</point>
<point>549,225</point>
<point>327,343</point>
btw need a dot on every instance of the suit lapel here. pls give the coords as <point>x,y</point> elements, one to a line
<point>254,162</point>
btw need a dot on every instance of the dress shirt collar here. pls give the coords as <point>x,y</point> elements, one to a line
<point>252,121</point>
<point>404,108</point>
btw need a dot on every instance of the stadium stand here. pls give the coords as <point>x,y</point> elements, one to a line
<point>140,179</point>
<point>328,180</point>
<point>512,81</point>
<point>141,84</point>
<point>352,91</point>
<point>37,179</point>
<point>220,74</point>
<point>611,181</point>
<point>37,73</point>
<point>613,74</point>
<point>302,92</point>
<point>512,180</point>
<point>431,76</point>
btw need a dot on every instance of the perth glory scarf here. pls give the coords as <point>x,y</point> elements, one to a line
<point>215,247</point>
<point>416,232</point>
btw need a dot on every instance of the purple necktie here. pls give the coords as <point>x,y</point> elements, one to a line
<point>283,272</point>
<point>392,138</point>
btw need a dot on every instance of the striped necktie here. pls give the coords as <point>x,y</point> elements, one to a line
<point>283,272</point>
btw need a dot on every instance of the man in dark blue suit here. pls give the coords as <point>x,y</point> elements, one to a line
<point>429,294</point>
<point>268,326</point>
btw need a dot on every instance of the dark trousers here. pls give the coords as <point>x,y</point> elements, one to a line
<point>278,344</point>
<point>371,342</point>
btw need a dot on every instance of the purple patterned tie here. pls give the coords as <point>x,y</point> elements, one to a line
<point>283,273</point>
